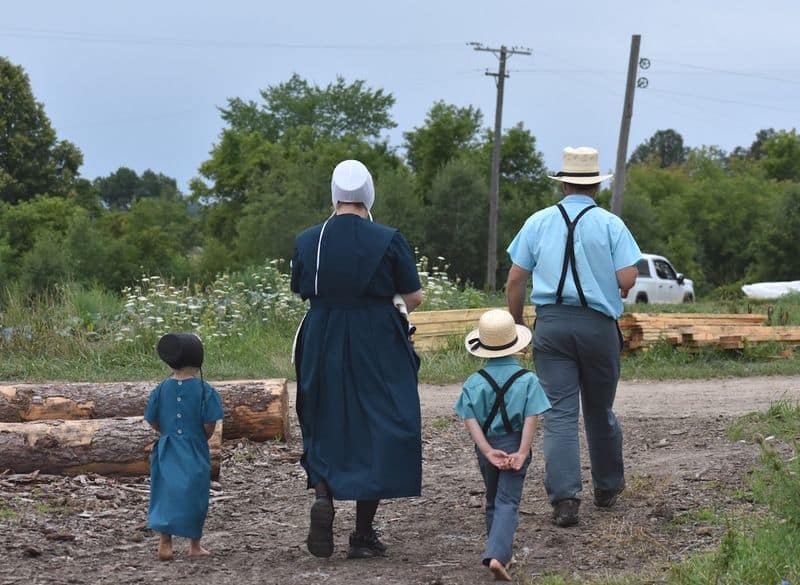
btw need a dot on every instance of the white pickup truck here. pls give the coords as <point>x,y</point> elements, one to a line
<point>659,283</point>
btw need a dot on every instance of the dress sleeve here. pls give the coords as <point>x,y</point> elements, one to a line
<point>151,410</point>
<point>536,401</point>
<point>406,278</point>
<point>296,271</point>
<point>213,406</point>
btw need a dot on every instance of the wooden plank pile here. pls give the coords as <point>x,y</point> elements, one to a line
<point>640,331</point>
<point>435,329</point>
<point>80,428</point>
<point>699,330</point>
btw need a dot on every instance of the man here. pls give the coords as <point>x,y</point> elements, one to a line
<point>580,256</point>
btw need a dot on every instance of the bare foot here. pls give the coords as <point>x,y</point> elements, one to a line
<point>499,571</point>
<point>195,550</point>
<point>165,549</point>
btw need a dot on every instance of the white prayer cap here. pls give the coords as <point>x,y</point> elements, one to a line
<point>352,183</point>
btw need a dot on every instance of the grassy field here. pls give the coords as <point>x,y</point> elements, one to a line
<point>248,321</point>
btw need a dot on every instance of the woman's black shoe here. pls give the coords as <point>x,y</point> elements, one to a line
<point>320,533</point>
<point>365,546</point>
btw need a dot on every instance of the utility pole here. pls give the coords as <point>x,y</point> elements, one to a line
<point>625,127</point>
<point>503,53</point>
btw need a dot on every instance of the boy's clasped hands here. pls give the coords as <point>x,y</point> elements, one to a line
<point>502,460</point>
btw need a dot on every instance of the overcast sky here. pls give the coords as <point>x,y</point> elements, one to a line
<point>137,84</point>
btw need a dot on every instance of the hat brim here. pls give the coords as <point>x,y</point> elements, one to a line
<point>524,337</point>
<point>581,180</point>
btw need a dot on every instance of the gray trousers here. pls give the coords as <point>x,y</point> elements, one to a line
<point>503,494</point>
<point>576,351</point>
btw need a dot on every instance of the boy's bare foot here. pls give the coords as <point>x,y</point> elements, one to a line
<point>165,548</point>
<point>195,550</point>
<point>499,571</point>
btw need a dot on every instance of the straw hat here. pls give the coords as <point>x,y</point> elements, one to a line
<point>352,183</point>
<point>181,350</point>
<point>497,335</point>
<point>580,166</point>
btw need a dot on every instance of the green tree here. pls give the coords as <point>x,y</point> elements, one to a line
<point>781,159</point>
<point>665,148</point>
<point>756,150</point>
<point>776,247</point>
<point>447,132</point>
<point>118,190</point>
<point>32,161</point>
<point>456,225</point>
<point>340,109</point>
<point>123,187</point>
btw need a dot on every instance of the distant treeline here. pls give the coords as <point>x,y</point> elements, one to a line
<point>722,218</point>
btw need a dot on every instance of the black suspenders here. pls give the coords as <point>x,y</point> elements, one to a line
<point>499,401</point>
<point>569,256</point>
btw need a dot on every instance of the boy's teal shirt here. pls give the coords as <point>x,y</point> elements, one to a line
<point>525,398</point>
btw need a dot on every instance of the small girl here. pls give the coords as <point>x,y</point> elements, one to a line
<point>184,410</point>
<point>499,405</point>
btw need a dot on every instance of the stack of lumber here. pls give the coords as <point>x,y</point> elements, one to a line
<point>80,428</point>
<point>640,331</point>
<point>696,330</point>
<point>435,329</point>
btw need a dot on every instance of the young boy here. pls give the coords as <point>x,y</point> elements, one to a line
<point>184,410</point>
<point>499,405</point>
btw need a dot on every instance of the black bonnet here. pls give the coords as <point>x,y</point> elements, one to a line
<point>181,350</point>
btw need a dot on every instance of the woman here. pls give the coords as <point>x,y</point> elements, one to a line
<point>357,395</point>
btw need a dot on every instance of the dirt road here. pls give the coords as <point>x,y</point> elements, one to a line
<point>683,476</point>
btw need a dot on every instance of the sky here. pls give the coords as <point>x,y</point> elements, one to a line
<point>138,84</point>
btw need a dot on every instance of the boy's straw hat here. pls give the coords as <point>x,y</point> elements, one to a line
<point>497,335</point>
<point>581,166</point>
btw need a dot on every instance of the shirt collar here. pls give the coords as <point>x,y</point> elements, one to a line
<point>578,199</point>
<point>506,360</point>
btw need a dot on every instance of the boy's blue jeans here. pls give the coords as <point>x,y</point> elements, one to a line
<point>503,494</point>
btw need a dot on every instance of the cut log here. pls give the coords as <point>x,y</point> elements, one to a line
<point>108,446</point>
<point>255,409</point>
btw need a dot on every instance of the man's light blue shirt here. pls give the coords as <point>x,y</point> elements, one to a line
<point>525,398</point>
<point>603,245</point>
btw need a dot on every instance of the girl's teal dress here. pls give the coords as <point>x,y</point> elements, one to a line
<point>180,464</point>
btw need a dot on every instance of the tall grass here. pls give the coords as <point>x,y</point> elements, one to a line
<point>764,548</point>
<point>247,321</point>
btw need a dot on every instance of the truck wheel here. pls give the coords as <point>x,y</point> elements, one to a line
<point>688,298</point>
<point>641,298</point>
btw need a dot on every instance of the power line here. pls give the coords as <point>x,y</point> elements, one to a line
<point>125,39</point>
<point>724,101</point>
<point>733,72</point>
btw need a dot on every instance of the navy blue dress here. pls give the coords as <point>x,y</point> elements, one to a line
<point>357,398</point>
<point>180,464</point>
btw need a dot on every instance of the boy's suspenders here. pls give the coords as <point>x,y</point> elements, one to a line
<point>499,401</point>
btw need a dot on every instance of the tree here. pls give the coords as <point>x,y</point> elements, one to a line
<point>118,190</point>
<point>776,246</point>
<point>448,131</point>
<point>665,147</point>
<point>32,161</point>
<point>123,187</point>
<point>338,110</point>
<point>459,201</point>
<point>781,158</point>
<point>756,150</point>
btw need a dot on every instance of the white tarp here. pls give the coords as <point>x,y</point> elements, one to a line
<point>770,290</point>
